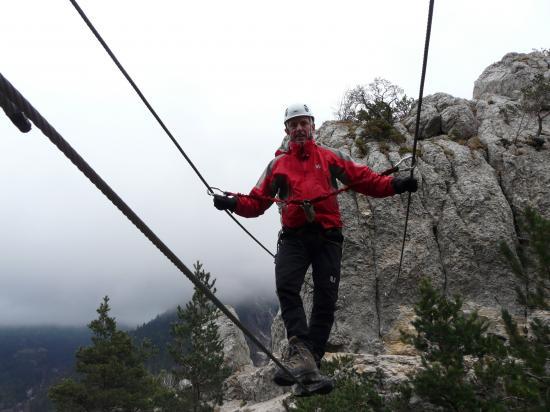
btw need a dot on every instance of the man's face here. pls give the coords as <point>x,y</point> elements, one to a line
<point>300,129</point>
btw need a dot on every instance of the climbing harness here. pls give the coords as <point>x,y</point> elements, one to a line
<point>308,204</point>
<point>32,114</point>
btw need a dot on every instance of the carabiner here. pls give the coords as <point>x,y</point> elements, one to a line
<point>396,168</point>
<point>403,160</point>
<point>210,191</point>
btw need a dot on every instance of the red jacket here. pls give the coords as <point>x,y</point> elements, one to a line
<point>307,171</point>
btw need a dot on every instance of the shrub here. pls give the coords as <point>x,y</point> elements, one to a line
<point>377,107</point>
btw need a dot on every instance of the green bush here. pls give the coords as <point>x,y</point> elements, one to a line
<point>376,108</point>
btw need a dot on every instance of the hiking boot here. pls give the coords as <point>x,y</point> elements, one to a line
<point>322,386</point>
<point>300,362</point>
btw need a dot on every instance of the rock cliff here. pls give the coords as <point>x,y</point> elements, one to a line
<point>236,354</point>
<point>478,170</point>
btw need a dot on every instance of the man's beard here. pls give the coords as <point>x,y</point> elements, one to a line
<point>300,137</point>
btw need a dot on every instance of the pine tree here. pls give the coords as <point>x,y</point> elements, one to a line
<point>112,375</point>
<point>445,336</point>
<point>198,350</point>
<point>528,382</point>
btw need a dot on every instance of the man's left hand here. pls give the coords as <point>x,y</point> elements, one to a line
<point>225,203</point>
<point>404,184</point>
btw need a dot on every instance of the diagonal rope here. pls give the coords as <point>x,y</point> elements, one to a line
<point>157,117</point>
<point>32,114</point>
<point>416,132</point>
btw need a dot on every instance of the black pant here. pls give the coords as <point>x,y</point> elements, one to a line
<point>297,249</point>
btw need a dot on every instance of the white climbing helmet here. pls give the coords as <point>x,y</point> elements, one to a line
<point>296,110</point>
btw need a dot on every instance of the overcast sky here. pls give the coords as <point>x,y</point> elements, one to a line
<point>220,74</point>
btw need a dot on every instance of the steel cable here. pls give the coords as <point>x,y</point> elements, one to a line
<point>416,132</point>
<point>33,115</point>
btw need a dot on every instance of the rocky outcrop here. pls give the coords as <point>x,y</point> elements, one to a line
<point>507,77</point>
<point>257,314</point>
<point>235,349</point>
<point>444,114</point>
<point>271,405</point>
<point>253,385</point>
<point>477,172</point>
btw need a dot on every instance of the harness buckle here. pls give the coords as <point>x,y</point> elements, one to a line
<point>309,211</point>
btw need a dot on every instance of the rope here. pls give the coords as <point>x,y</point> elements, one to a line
<point>310,201</point>
<point>416,132</point>
<point>15,97</point>
<point>156,116</point>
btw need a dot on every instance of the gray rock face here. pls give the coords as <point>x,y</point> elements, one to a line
<point>271,405</point>
<point>444,114</point>
<point>257,315</point>
<point>235,350</point>
<point>508,76</point>
<point>253,384</point>
<point>430,121</point>
<point>477,172</point>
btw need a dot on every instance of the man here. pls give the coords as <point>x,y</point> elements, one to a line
<point>311,232</point>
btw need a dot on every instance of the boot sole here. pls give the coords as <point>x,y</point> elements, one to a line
<point>323,387</point>
<point>305,378</point>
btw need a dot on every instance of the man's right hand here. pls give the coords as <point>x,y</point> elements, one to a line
<point>225,202</point>
<point>404,184</point>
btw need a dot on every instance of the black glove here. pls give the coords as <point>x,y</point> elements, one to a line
<point>225,202</point>
<point>404,184</point>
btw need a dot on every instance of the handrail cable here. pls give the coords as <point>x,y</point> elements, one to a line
<point>33,115</point>
<point>416,133</point>
<point>157,117</point>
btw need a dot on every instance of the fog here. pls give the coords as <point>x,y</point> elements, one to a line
<point>220,75</point>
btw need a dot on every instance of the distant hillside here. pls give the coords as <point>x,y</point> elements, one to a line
<point>157,331</point>
<point>31,358</point>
